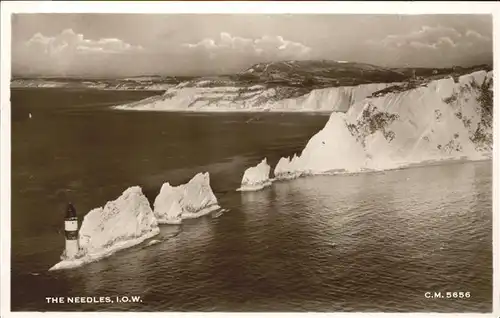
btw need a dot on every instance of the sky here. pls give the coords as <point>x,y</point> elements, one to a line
<point>117,45</point>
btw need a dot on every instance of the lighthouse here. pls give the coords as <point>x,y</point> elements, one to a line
<point>71,232</point>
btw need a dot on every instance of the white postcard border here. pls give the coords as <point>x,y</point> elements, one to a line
<point>259,7</point>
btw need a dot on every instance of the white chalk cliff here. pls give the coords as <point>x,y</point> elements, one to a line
<point>190,200</point>
<point>440,120</point>
<point>122,223</point>
<point>256,178</point>
<point>253,98</point>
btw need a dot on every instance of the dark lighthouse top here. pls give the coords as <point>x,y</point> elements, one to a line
<point>70,211</point>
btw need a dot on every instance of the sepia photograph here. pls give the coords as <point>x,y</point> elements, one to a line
<point>218,162</point>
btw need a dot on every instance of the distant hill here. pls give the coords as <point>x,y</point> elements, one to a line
<point>440,72</point>
<point>322,73</point>
<point>155,83</point>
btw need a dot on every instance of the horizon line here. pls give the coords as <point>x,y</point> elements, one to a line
<point>28,75</point>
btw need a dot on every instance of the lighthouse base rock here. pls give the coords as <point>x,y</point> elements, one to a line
<point>120,224</point>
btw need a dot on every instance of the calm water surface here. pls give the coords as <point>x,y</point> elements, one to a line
<point>370,242</point>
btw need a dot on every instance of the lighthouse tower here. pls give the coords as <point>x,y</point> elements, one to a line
<point>71,232</point>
